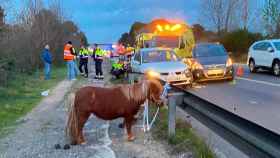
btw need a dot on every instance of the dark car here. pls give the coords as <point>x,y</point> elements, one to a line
<point>211,62</point>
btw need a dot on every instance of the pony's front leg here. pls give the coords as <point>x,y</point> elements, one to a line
<point>128,125</point>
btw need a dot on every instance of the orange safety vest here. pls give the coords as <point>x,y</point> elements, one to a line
<point>67,52</point>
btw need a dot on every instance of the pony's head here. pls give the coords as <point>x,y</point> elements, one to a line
<point>154,91</point>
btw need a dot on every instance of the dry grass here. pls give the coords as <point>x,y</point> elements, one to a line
<point>185,139</point>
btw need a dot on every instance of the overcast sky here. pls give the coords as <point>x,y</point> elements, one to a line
<point>105,20</point>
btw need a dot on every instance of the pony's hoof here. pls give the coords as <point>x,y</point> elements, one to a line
<point>66,147</point>
<point>57,146</point>
<point>121,125</point>
<point>130,138</point>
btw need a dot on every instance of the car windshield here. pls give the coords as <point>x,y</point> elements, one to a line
<point>277,45</point>
<point>159,56</point>
<point>209,50</point>
<point>165,41</point>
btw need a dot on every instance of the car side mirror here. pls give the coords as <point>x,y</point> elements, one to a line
<point>270,49</point>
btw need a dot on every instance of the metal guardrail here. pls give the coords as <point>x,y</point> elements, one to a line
<point>263,139</point>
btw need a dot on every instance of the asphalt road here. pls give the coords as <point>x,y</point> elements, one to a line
<point>255,97</point>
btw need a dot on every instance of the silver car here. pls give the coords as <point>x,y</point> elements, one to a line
<point>161,63</point>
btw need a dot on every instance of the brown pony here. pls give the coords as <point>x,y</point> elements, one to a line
<point>110,103</point>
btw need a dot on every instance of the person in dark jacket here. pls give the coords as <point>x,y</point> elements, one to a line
<point>98,56</point>
<point>83,54</point>
<point>47,59</point>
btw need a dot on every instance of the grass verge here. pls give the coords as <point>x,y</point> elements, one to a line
<point>185,139</point>
<point>22,94</point>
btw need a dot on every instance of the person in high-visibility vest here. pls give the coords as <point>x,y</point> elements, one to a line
<point>83,54</point>
<point>117,69</point>
<point>69,56</point>
<point>99,55</point>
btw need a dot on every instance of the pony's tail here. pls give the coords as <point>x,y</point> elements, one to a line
<point>71,129</point>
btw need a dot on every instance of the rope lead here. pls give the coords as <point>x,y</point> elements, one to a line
<point>146,125</point>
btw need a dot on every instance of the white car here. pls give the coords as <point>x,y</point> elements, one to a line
<point>161,63</point>
<point>265,55</point>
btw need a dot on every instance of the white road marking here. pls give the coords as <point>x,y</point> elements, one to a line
<point>253,102</point>
<point>258,81</point>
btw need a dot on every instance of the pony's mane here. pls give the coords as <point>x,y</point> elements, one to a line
<point>138,92</point>
<point>146,90</point>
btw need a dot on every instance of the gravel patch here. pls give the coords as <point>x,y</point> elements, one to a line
<point>40,134</point>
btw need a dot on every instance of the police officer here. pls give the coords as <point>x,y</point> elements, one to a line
<point>117,69</point>
<point>83,54</point>
<point>98,56</point>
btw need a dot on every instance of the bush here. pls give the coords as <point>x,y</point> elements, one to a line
<point>239,41</point>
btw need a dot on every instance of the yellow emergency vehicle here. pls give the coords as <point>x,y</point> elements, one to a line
<point>167,33</point>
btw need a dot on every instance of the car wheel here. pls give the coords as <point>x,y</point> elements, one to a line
<point>276,68</point>
<point>252,66</point>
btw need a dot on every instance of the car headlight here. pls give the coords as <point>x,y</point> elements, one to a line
<point>153,74</point>
<point>229,62</point>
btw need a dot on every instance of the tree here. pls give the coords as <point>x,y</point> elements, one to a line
<point>220,13</point>
<point>271,17</point>
<point>38,26</point>
<point>124,39</point>
<point>2,16</point>
<point>133,32</point>
<point>245,14</point>
<point>198,31</point>
<point>84,40</point>
<point>130,38</point>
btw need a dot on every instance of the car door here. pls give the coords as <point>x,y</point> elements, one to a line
<point>265,55</point>
<point>136,62</point>
<point>257,53</point>
<point>268,58</point>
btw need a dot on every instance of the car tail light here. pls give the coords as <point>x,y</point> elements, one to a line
<point>229,62</point>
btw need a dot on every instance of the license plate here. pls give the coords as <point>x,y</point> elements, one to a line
<point>215,72</point>
<point>175,77</point>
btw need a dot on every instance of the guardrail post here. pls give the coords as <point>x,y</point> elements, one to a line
<point>174,99</point>
<point>171,115</point>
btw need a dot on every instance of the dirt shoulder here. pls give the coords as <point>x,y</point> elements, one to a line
<point>37,131</point>
<point>40,130</point>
